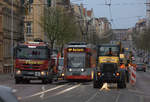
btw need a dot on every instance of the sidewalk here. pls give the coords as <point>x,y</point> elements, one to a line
<point>5,77</point>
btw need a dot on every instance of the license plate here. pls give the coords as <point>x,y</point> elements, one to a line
<point>37,74</point>
<point>31,73</point>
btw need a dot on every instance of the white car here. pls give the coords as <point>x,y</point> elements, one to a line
<point>6,95</point>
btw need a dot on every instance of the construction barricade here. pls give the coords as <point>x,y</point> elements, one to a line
<point>132,71</point>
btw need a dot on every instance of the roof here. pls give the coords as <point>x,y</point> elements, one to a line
<point>141,21</point>
<point>103,19</point>
<point>89,13</point>
<point>84,10</point>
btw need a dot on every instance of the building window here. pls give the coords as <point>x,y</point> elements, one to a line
<point>29,28</point>
<point>30,9</point>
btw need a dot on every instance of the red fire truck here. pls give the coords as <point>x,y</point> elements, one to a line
<point>32,61</point>
<point>79,61</point>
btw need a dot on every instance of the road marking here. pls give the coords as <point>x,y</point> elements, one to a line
<point>91,98</point>
<point>14,90</point>
<point>66,90</point>
<point>39,93</point>
<point>117,99</point>
<point>105,87</point>
<point>43,90</point>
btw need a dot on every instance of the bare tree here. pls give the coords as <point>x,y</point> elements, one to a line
<point>59,26</point>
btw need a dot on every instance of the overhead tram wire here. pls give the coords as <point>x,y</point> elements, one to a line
<point>110,12</point>
<point>123,4</point>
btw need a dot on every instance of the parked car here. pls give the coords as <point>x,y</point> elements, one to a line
<point>141,67</point>
<point>6,95</point>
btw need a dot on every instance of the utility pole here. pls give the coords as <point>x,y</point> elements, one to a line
<point>12,37</point>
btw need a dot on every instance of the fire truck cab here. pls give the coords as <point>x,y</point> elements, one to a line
<point>32,62</point>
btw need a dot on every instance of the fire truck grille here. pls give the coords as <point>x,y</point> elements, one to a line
<point>31,66</point>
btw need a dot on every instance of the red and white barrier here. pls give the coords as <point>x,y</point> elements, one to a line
<point>132,75</point>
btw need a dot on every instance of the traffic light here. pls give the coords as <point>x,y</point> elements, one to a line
<point>49,3</point>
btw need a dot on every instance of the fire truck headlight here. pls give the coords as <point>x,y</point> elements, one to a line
<point>18,71</point>
<point>43,73</point>
<point>82,70</point>
<point>62,74</point>
<point>70,69</point>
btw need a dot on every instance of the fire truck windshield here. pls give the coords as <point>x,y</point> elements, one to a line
<point>76,60</point>
<point>32,53</point>
<point>104,50</point>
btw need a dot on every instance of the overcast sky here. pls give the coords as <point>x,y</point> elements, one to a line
<point>125,13</point>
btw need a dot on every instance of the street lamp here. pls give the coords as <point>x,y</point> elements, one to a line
<point>12,23</point>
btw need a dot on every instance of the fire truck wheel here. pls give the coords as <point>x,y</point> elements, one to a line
<point>17,81</point>
<point>44,81</point>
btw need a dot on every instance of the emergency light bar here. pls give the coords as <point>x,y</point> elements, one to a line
<point>31,46</point>
<point>33,42</point>
<point>77,46</point>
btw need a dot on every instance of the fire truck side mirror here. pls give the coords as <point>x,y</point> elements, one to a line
<point>14,52</point>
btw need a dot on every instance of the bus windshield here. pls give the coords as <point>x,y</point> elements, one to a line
<point>104,50</point>
<point>32,53</point>
<point>76,60</point>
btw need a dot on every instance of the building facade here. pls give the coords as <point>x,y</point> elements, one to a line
<point>102,26</point>
<point>140,25</point>
<point>6,31</point>
<point>34,11</point>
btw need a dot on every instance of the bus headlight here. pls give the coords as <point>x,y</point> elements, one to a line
<point>82,70</point>
<point>70,69</point>
<point>18,71</point>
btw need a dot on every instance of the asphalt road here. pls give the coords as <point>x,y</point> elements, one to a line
<point>63,91</point>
